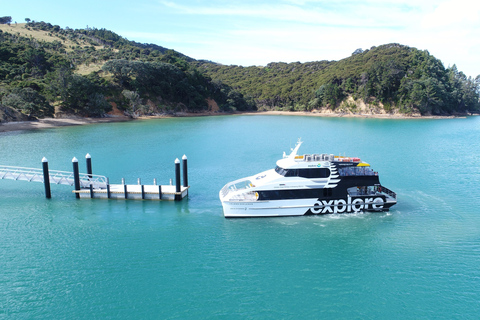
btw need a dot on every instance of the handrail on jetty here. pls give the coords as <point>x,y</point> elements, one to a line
<point>56,176</point>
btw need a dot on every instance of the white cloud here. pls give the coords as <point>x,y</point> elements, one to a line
<point>308,30</point>
<point>452,14</point>
<point>318,13</point>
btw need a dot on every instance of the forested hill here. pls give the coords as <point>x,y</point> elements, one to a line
<point>392,77</point>
<point>47,70</point>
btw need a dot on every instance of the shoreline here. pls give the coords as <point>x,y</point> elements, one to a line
<point>351,115</point>
<point>75,121</point>
<point>55,123</point>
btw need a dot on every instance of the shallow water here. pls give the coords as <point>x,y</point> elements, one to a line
<point>69,258</point>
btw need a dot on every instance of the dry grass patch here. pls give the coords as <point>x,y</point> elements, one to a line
<point>40,35</point>
<point>84,69</point>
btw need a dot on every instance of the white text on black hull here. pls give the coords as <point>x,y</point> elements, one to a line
<point>305,185</point>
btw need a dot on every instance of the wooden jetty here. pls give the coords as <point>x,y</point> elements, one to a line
<point>88,185</point>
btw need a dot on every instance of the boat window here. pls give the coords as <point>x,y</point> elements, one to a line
<point>314,173</point>
<point>241,185</point>
<point>356,171</point>
<point>292,173</point>
<point>280,171</point>
<point>362,190</point>
<point>304,173</point>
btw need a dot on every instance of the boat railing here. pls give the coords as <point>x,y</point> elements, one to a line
<point>356,191</point>
<point>224,191</point>
<point>389,192</point>
<point>361,193</point>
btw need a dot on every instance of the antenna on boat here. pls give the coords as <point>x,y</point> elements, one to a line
<point>294,151</point>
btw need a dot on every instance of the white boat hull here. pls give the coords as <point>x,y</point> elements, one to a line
<point>237,209</point>
<point>300,207</point>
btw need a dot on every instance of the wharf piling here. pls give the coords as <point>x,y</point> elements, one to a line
<point>88,160</point>
<point>185,171</point>
<point>108,189</point>
<point>76,176</point>
<point>177,179</point>
<point>46,178</point>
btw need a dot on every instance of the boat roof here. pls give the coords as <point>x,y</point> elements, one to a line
<point>293,160</point>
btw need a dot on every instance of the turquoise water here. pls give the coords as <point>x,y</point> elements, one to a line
<point>65,258</point>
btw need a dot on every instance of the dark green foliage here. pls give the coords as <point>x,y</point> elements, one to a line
<point>330,94</point>
<point>5,20</point>
<point>22,58</point>
<point>278,85</point>
<point>167,82</point>
<point>146,78</point>
<point>392,74</point>
<point>78,94</point>
<point>28,101</point>
<point>37,75</point>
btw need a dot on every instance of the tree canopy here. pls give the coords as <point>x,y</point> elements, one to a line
<point>5,20</point>
<point>87,71</point>
<point>393,75</point>
<point>36,75</point>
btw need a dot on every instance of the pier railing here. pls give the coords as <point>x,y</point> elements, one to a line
<point>57,177</point>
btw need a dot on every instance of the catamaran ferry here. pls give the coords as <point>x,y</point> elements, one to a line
<point>307,185</point>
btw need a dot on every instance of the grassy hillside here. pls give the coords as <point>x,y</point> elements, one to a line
<point>392,76</point>
<point>47,70</point>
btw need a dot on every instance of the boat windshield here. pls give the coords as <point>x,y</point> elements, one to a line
<point>281,171</point>
<point>310,173</point>
<point>241,185</point>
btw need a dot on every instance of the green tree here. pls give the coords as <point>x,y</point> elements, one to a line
<point>5,20</point>
<point>78,94</point>
<point>29,102</point>
<point>122,71</point>
<point>134,101</point>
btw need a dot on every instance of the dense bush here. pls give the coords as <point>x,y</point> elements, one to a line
<point>34,75</point>
<point>394,75</point>
<point>145,78</point>
<point>167,82</point>
<point>28,101</point>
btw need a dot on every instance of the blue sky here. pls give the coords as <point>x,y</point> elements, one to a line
<point>258,32</point>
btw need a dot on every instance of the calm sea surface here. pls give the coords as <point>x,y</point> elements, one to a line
<point>65,258</point>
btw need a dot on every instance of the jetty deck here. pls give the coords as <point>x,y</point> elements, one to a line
<point>135,192</point>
